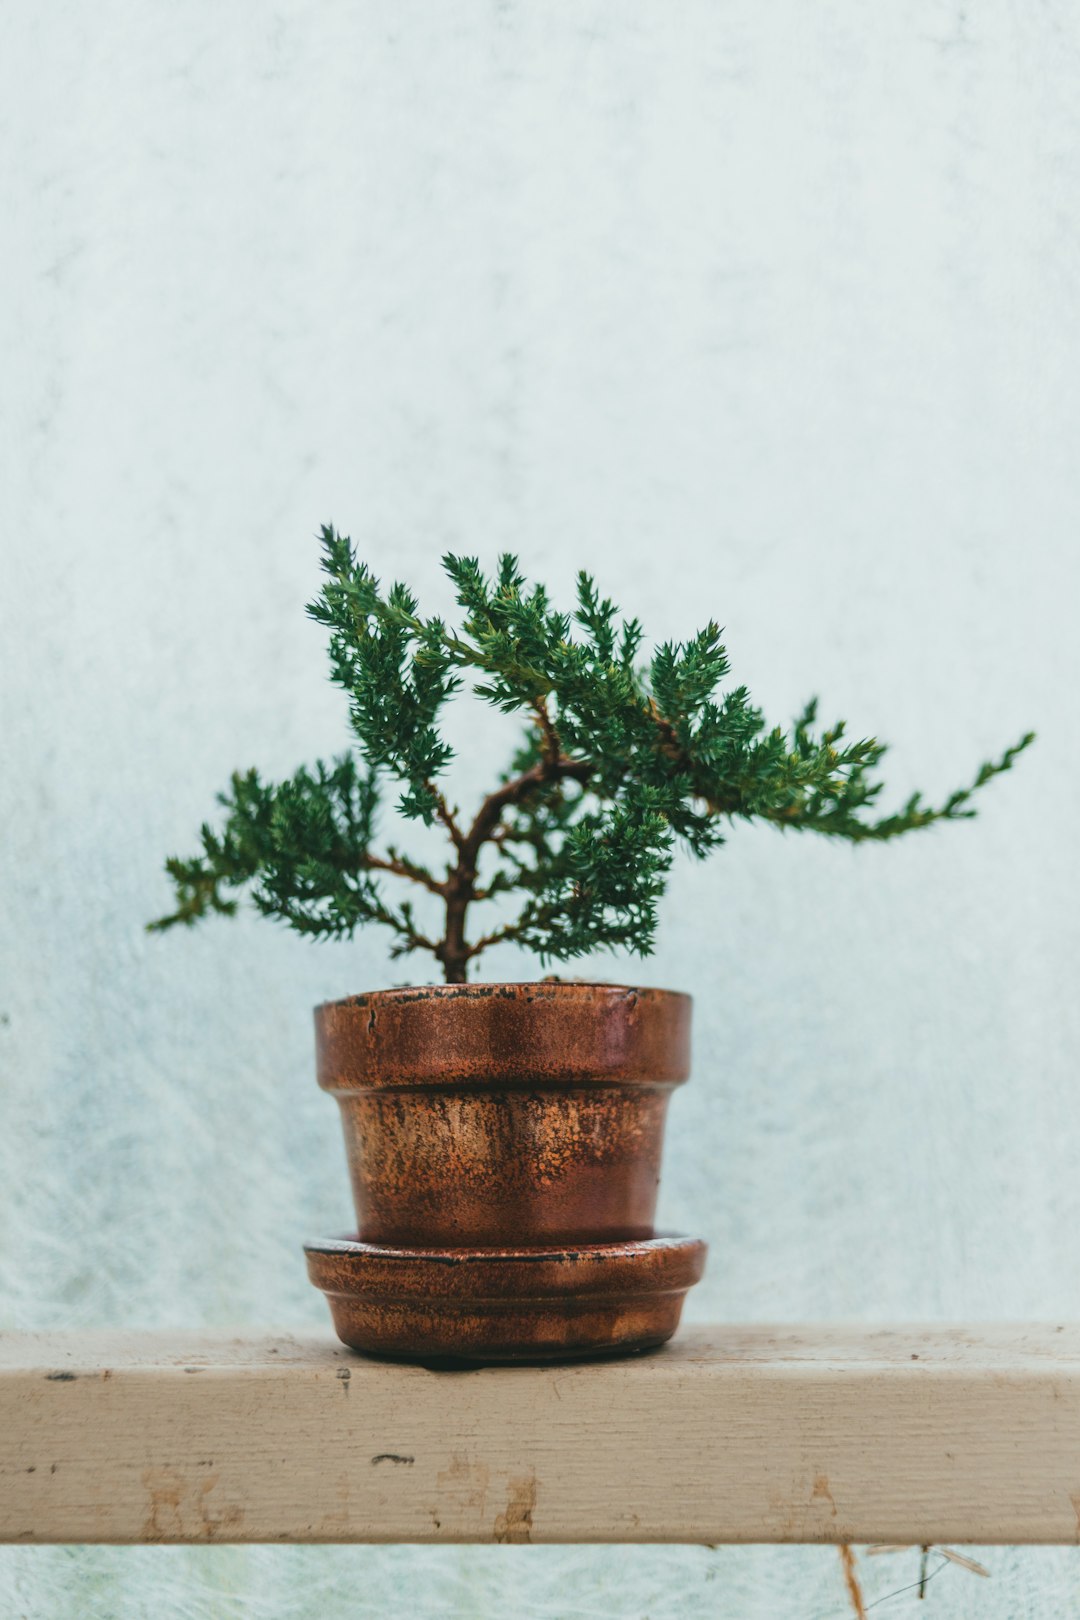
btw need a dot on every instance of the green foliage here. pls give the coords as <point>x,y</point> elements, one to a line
<point>396,670</point>
<point>603,890</point>
<point>620,761</point>
<point>303,848</point>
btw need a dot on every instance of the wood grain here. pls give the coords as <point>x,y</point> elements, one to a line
<point>730,1434</point>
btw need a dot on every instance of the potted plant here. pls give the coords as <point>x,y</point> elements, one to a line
<point>504,1140</point>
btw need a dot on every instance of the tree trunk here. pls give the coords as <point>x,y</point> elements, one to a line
<point>454,952</point>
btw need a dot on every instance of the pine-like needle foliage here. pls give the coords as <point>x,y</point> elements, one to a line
<point>621,759</point>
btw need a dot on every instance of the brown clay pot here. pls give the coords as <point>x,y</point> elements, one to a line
<point>504,1147</point>
<point>495,1115</point>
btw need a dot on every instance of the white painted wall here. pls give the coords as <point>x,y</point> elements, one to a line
<point>765,311</point>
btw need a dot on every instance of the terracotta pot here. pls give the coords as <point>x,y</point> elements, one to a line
<point>504,1115</point>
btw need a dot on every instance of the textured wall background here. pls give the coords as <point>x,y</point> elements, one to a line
<point>770,312</point>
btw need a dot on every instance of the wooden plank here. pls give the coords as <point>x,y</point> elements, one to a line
<point>730,1434</point>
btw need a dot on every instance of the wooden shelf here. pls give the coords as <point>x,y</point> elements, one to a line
<point>807,1434</point>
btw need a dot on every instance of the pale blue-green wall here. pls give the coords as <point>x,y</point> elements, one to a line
<point>768,312</point>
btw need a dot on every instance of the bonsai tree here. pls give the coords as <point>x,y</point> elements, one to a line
<point>620,761</point>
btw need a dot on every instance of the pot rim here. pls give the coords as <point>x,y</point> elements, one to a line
<point>531,1034</point>
<point>483,989</point>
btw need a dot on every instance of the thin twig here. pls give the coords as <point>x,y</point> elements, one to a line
<point>552,748</point>
<point>497,937</point>
<point>406,869</point>
<point>921,1583</point>
<point>898,1591</point>
<point>446,816</point>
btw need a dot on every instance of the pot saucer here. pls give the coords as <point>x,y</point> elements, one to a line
<point>549,1303</point>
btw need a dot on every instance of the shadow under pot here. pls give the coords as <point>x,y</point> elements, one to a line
<point>504,1122</point>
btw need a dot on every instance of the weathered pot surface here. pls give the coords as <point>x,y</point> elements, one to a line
<point>521,1304</point>
<point>504,1146</point>
<point>497,1115</point>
